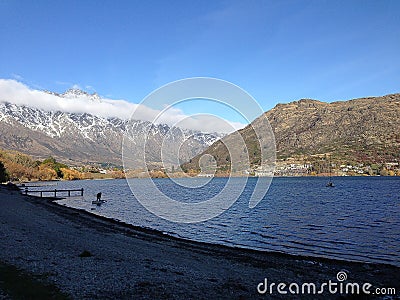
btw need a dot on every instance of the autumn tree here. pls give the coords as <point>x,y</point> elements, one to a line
<point>69,174</point>
<point>46,173</point>
<point>56,166</point>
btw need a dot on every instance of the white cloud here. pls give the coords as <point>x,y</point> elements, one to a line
<point>18,93</point>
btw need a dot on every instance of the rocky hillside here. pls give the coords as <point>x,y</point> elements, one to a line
<point>82,137</point>
<point>360,130</point>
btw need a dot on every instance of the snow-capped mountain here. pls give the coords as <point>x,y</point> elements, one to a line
<point>75,93</point>
<point>81,137</point>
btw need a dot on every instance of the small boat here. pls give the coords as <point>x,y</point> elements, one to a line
<point>99,202</point>
<point>330,182</point>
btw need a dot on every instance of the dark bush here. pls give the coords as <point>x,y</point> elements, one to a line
<point>3,173</point>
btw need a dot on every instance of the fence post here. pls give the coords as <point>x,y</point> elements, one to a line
<point>55,193</point>
<point>69,193</point>
<point>41,194</point>
<point>26,191</point>
<point>81,192</point>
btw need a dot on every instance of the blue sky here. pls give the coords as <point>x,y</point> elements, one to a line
<point>278,51</point>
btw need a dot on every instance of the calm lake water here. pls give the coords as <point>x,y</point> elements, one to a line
<point>358,219</point>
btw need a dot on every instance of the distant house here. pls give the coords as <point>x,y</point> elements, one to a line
<point>205,175</point>
<point>261,172</point>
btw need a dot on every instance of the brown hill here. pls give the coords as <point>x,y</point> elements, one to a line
<point>363,130</point>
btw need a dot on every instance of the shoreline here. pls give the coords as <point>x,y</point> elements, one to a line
<point>165,266</point>
<point>195,243</point>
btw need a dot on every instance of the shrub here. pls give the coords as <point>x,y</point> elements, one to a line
<point>3,173</point>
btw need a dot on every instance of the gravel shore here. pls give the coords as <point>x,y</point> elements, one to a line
<point>90,257</point>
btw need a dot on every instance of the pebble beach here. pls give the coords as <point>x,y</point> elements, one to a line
<point>91,257</point>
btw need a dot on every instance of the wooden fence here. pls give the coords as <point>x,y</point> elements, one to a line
<point>26,191</point>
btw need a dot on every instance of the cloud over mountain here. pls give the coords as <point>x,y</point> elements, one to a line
<point>77,101</point>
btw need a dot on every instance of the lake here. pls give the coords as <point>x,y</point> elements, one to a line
<point>358,219</point>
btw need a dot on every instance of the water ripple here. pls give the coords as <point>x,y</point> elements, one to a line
<point>357,220</point>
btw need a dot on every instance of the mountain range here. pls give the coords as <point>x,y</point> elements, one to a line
<point>76,138</point>
<point>365,130</point>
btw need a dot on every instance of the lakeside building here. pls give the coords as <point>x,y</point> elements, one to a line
<point>285,168</point>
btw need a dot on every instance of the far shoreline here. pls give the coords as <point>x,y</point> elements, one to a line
<point>19,183</point>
